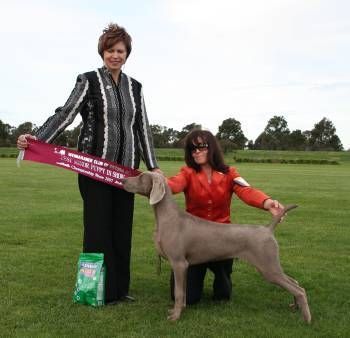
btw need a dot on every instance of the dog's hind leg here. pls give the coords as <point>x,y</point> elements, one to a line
<point>267,263</point>
<point>294,305</point>
<point>290,285</point>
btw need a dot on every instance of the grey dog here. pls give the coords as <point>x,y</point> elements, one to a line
<point>184,239</point>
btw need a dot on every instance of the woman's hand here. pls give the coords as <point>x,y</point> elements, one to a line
<point>157,170</point>
<point>22,142</point>
<point>273,206</point>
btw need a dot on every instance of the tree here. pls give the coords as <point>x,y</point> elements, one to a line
<point>275,135</point>
<point>163,137</point>
<point>226,145</point>
<point>185,130</point>
<point>74,135</point>
<point>23,128</point>
<point>62,139</point>
<point>250,145</point>
<point>69,138</point>
<point>230,130</point>
<point>5,134</point>
<point>336,144</point>
<point>263,142</point>
<point>307,135</point>
<point>171,135</point>
<point>323,136</point>
<point>297,140</point>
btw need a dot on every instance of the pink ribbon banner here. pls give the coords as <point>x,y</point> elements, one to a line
<point>81,163</point>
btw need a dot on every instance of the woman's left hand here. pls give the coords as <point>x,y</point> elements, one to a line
<point>273,206</point>
<point>157,170</point>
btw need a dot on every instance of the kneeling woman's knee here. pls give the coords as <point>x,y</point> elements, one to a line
<point>193,297</point>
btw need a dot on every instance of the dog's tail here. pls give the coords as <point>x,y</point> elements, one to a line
<point>277,219</point>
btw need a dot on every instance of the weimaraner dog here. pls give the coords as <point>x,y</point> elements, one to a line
<point>185,240</point>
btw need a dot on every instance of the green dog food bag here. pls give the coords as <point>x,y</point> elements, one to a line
<point>90,284</point>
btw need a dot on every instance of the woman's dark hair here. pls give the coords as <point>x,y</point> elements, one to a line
<point>112,35</point>
<point>215,155</point>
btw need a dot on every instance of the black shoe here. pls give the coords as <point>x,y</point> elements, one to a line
<point>220,298</point>
<point>111,302</point>
<point>127,298</point>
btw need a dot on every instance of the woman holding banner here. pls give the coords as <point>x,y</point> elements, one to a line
<point>115,128</point>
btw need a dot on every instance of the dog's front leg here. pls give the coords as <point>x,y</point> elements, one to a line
<point>185,286</point>
<point>180,269</point>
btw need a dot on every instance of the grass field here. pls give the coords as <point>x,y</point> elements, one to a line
<point>7,151</point>
<point>339,156</point>
<point>40,240</point>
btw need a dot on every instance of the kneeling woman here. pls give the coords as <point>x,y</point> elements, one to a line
<point>208,184</point>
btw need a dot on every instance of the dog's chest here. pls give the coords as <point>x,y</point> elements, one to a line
<point>156,239</point>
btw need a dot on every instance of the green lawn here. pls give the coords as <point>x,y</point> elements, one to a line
<point>8,151</point>
<point>40,240</point>
<point>339,156</point>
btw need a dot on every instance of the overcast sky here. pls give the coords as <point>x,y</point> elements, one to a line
<point>198,60</point>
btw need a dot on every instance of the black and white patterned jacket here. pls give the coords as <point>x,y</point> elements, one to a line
<point>115,125</point>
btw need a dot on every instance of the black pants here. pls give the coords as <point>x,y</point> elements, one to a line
<point>222,286</point>
<point>108,216</point>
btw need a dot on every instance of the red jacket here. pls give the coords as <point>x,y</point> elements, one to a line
<point>212,201</point>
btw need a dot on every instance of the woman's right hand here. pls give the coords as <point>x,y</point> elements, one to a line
<point>22,142</point>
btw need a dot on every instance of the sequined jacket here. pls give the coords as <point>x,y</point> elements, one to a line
<point>115,124</point>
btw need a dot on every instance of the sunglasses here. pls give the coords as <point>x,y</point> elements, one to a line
<point>199,147</point>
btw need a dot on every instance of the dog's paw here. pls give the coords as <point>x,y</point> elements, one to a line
<point>174,314</point>
<point>294,307</point>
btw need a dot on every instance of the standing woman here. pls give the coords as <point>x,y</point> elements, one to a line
<point>208,184</point>
<point>115,128</point>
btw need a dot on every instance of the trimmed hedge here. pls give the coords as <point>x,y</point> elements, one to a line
<point>170,158</point>
<point>8,155</point>
<point>237,159</point>
<point>160,158</point>
<point>285,161</point>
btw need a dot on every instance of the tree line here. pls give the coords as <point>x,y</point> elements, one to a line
<point>275,136</point>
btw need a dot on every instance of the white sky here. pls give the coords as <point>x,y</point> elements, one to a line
<point>198,60</point>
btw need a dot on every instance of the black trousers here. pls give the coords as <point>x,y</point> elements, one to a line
<point>108,216</point>
<point>222,286</point>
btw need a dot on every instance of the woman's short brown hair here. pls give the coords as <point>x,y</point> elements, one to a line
<point>112,35</point>
<point>215,155</point>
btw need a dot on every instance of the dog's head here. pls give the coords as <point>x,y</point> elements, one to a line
<point>148,184</point>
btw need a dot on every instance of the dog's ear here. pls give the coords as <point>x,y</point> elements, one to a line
<point>158,189</point>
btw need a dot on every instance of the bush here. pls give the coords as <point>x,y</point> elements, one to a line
<point>170,158</point>
<point>8,155</point>
<point>284,161</point>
